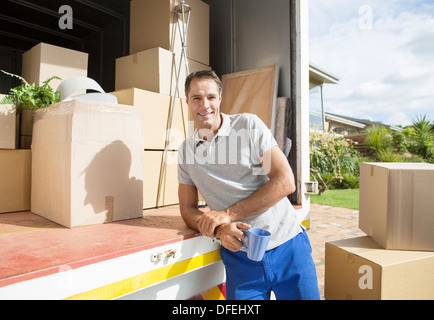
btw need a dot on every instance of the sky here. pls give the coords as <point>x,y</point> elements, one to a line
<point>383,54</point>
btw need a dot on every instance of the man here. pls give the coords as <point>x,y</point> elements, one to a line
<point>236,165</point>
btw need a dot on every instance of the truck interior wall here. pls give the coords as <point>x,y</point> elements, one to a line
<point>10,60</point>
<point>103,47</point>
<point>103,53</point>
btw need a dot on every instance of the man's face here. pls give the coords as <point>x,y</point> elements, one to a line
<point>204,101</point>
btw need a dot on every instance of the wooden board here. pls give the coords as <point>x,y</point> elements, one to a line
<point>253,91</point>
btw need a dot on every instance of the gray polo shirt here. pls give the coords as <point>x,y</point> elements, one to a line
<point>227,169</point>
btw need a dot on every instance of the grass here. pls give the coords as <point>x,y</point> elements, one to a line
<point>347,198</point>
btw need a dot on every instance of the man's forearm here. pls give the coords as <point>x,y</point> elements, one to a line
<point>190,216</point>
<point>188,205</point>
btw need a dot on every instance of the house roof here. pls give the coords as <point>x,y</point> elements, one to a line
<point>320,75</point>
<point>364,122</point>
<point>344,120</point>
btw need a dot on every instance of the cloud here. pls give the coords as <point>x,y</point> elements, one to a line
<point>382,51</point>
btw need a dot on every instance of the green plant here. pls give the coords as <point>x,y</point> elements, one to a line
<point>348,181</point>
<point>30,96</point>
<point>387,155</point>
<point>399,141</point>
<point>332,160</point>
<point>424,137</point>
<point>379,140</point>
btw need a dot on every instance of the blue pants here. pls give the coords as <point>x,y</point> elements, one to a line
<point>288,271</point>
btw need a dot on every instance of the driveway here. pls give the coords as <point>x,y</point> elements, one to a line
<point>330,224</point>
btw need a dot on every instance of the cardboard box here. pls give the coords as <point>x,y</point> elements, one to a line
<point>44,61</point>
<point>153,70</point>
<point>87,165</point>
<point>396,204</point>
<point>154,111</point>
<point>153,23</point>
<point>9,126</point>
<point>15,176</point>
<point>151,181</point>
<point>360,269</point>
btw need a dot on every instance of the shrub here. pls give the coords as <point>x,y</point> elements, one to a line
<point>424,137</point>
<point>379,140</point>
<point>332,160</point>
<point>387,155</point>
<point>399,142</point>
<point>348,181</point>
<point>420,139</point>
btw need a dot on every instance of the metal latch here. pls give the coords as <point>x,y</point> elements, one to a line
<point>311,187</point>
<point>163,255</point>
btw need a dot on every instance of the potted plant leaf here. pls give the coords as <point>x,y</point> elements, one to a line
<point>31,96</point>
<point>28,98</point>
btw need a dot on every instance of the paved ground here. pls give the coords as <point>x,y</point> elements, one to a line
<point>329,224</point>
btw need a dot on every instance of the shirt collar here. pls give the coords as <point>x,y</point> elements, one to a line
<point>223,131</point>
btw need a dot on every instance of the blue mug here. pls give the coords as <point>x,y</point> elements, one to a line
<point>256,243</point>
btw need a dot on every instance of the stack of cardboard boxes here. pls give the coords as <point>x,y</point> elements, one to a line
<point>147,78</point>
<point>14,164</point>
<point>67,176</point>
<point>396,258</point>
<point>39,63</point>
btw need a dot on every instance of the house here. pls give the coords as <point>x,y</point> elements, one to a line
<point>343,125</point>
<point>321,120</point>
<point>317,78</point>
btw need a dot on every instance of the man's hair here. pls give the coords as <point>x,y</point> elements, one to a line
<point>204,74</point>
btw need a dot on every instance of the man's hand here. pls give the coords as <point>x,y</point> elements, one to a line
<point>211,220</point>
<point>230,235</point>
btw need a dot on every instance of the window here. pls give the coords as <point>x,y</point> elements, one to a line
<point>316,110</point>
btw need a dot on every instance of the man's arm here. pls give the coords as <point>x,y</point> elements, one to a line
<point>229,233</point>
<point>280,185</point>
<point>188,204</point>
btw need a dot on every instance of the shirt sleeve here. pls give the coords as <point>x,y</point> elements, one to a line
<point>261,136</point>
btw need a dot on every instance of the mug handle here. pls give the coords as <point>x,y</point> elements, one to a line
<point>245,232</point>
